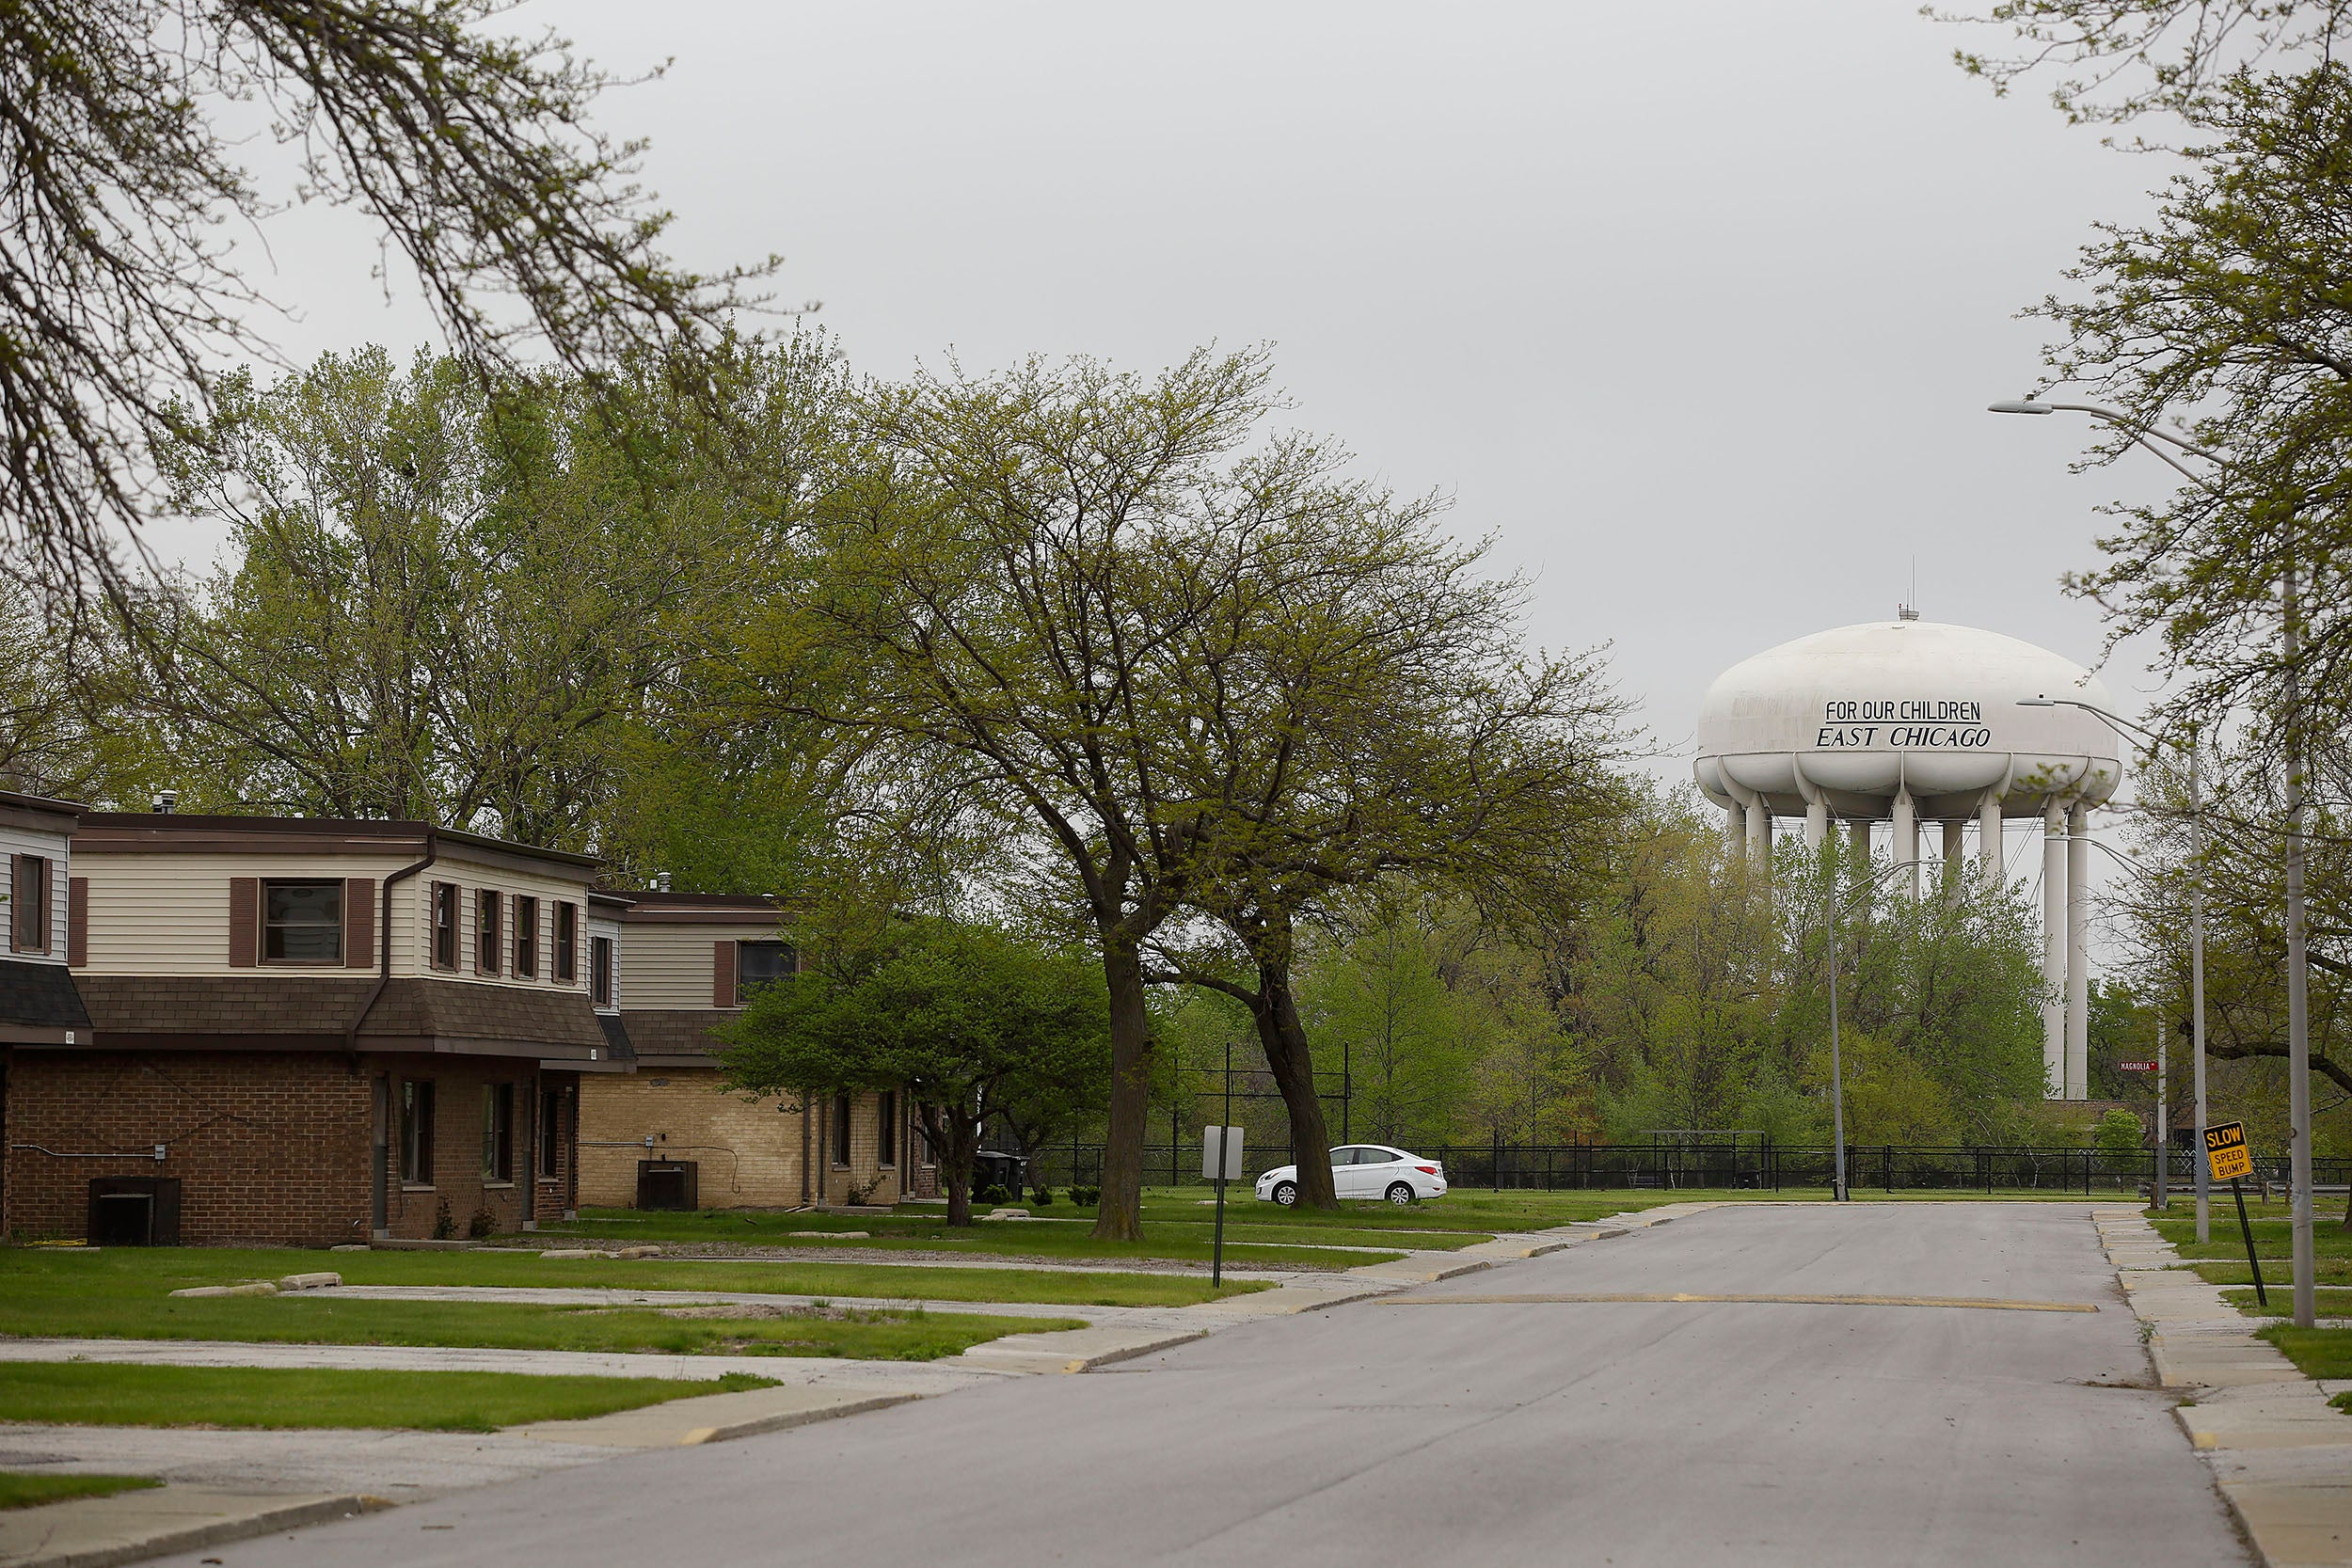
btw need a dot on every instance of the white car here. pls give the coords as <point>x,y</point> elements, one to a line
<point>1363,1170</point>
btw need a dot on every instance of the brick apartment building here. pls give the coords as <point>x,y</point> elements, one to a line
<point>40,1006</point>
<point>667,1135</point>
<point>306,1032</point>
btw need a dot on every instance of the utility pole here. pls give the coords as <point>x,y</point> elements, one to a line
<point>2164,1120</point>
<point>2197,972</point>
<point>2299,1008</point>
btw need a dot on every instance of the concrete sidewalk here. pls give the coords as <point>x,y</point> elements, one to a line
<point>2280,1454</point>
<point>98,1533</point>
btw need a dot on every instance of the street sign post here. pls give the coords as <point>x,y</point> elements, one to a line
<point>1220,1161</point>
<point>2230,1159</point>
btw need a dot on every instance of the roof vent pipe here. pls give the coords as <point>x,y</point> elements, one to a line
<point>661,881</point>
<point>165,801</point>
<point>1906,612</point>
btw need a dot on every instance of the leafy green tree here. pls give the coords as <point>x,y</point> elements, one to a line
<point>1035,574</point>
<point>2119,1139</point>
<point>970,1022</point>
<point>469,152</point>
<point>2120,59</point>
<point>485,611</point>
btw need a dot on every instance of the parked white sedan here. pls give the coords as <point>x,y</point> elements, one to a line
<point>1363,1170</point>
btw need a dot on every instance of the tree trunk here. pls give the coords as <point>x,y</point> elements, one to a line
<point>1285,1040</point>
<point>952,1136</point>
<point>1121,1217</point>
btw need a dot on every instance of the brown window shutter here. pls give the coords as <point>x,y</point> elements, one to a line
<point>358,922</point>
<point>722,974</point>
<point>77,922</point>
<point>245,922</point>
<point>16,899</point>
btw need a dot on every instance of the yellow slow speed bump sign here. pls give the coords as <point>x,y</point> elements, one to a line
<point>2226,1150</point>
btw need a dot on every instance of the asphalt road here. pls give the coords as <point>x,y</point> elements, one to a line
<point>1377,1434</point>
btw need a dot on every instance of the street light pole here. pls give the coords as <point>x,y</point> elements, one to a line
<point>1836,1067</point>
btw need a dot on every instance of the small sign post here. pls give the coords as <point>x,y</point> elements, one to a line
<point>2230,1159</point>
<point>1220,1161</point>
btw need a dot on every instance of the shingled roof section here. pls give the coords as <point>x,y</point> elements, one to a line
<point>471,1011</point>
<point>39,996</point>
<point>250,1001</point>
<point>289,1010</point>
<point>618,1046</point>
<point>676,1031</point>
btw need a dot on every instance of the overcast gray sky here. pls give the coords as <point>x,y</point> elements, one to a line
<point>1695,306</point>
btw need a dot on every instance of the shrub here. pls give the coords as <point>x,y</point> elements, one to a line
<point>444,1226</point>
<point>1086,1197</point>
<point>988,1195</point>
<point>482,1224</point>
<point>2121,1140</point>
<point>1042,1197</point>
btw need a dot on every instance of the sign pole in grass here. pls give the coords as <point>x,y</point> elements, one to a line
<point>2230,1159</point>
<point>1220,1161</point>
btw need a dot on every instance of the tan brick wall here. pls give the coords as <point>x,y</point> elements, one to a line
<point>267,1146</point>
<point>747,1154</point>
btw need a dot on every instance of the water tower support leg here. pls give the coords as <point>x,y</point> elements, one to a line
<point>2053,950</point>
<point>1990,850</point>
<point>1954,855</point>
<point>1816,824</point>
<point>1907,837</point>
<point>2077,953</point>
<point>1761,834</point>
<point>1735,825</point>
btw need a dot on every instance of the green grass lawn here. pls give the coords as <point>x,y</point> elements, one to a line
<point>1275,1245</point>
<point>124,1294</point>
<point>2316,1352</point>
<point>2325,1301</point>
<point>2327,1271</point>
<point>90,1394</point>
<point>2272,1226</point>
<point>19,1490</point>
<point>147,1273</point>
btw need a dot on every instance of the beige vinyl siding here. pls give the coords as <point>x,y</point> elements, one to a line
<point>412,915</point>
<point>52,847</point>
<point>669,966</point>
<point>161,913</point>
<point>599,926</point>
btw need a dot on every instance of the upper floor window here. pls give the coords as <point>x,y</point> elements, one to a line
<point>445,925</point>
<point>525,937</point>
<point>567,942</point>
<point>302,922</point>
<point>600,971</point>
<point>28,904</point>
<point>758,964</point>
<point>485,931</point>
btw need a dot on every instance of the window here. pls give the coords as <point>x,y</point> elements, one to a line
<point>525,937</point>
<point>28,904</point>
<point>600,971</point>
<point>567,942</point>
<point>497,1131</point>
<point>486,932</point>
<point>302,922</point>
<point>841,1127</point>
<point>445,925</point>
<point>550,1133</point>
<point>758,964</point>
<point>416,1132</point>
<point>886,1131</point>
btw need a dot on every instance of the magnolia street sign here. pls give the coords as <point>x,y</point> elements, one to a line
<point>2136,1066</point>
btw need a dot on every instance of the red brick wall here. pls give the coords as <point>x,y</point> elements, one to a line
<point>268,1148</point>
<point>458,1183</point>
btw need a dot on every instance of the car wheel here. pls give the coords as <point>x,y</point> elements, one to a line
<point>1286,1193</point>
<point>1400,1191</point>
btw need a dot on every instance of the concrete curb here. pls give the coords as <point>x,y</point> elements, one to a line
<point>1075,1350</point>
<point>713,1417</point>
<point>131,1527</point>
<point>2280,1456</point>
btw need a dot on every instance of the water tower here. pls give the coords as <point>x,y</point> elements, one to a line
<point>1906,721</point>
